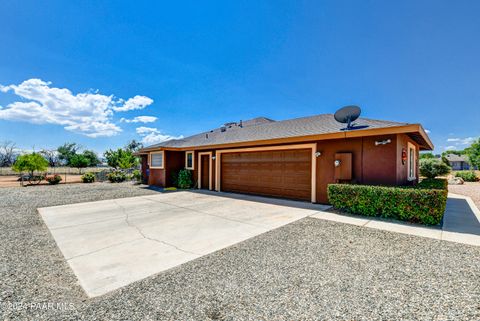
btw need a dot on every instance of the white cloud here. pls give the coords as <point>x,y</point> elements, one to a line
<point>450,147</point>
<point>139,119</point>
<point>137,102</point>
<point>427,131</point>
<point>152,135</point>
<point>88,113</point>
<point>462,141</point>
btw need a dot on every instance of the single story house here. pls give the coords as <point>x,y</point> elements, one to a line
<point>293,159</point>
<point>458,162</point>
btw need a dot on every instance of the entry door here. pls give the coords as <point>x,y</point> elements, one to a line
<point>205,175</point>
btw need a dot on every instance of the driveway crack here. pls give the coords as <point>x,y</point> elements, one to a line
<point>139,230</point>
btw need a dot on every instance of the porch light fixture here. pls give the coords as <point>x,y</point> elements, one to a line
<point>383,142</point>
<point>213,157</point>
<point>317,154</point>
<point>337,163</point>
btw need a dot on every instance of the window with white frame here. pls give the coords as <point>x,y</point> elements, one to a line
<point>156,160</point>
<point>189,160</point>
<point>412,160</point>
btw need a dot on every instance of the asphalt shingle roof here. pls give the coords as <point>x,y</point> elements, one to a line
<point>456,158</point>
<point>263,128</point>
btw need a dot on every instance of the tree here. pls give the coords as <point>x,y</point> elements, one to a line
<point>92,157</point>
<point>473,153</point>
<point>66,152</point>
<point>30,163</point>
<point>51,156</point>
<point>426,155</point>
<point>432,168</point>
<point>79,161</point>
<point>7,153</point>
<point>120,158</point>
<point>133,145</point>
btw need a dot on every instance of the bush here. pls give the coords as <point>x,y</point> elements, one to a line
<point>116,177</point>
<point>184,179</point>
<point>416,205</point>
<point>88,177</point>
<point>432,168</point>
<point>54,179</point>
<point>467,176</point>
<point>432,183</point>
<point>136,176</point>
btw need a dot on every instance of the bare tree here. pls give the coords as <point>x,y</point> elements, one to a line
<point>51,156</point>
<point>8,153</point>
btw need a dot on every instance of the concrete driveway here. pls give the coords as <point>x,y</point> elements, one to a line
<point>112,243</point>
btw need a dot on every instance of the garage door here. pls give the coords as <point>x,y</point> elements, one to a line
<point>280,173</point>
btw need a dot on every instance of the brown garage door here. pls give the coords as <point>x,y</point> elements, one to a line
<point>282,173</point>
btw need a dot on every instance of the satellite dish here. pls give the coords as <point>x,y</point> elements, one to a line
<point>347,115</point>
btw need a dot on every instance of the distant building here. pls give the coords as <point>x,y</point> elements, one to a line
<point>458,162</point>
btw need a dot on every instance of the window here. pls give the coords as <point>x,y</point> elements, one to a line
<point>156,160</point>
<point>189,160</point>
<point>412,156</point>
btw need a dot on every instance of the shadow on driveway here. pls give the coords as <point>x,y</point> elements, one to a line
<point>460,218</point>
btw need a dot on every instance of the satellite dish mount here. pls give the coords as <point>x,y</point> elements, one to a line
<point>347,115</point>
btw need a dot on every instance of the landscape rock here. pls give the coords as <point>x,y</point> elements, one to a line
<point>456,181</point>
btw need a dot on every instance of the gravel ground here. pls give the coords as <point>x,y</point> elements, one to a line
<point>310,269</point>
<point>468,189</point>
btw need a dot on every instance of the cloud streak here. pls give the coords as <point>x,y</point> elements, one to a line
<point>151,135</point>
<point>139,119</point>
<point>88,113</point>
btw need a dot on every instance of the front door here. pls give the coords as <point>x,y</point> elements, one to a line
<point>205,172</point>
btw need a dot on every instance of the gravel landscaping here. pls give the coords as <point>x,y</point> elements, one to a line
<point>471,189</point>
<point>310,269</point>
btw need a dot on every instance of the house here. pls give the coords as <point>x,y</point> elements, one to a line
<point>293,159</point>
<point>458,162</point>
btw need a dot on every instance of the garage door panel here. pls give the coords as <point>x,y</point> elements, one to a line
<point>282,173</point>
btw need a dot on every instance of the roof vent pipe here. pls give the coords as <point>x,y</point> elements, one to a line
<point>223,128</point>
<point>240,124</point>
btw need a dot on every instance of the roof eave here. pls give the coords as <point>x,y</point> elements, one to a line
<point>425,143</point>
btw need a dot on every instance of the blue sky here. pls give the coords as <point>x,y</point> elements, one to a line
<point>206,63</point>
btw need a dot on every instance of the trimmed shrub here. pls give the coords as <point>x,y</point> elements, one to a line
<point>467,176</point>
<point>88,177</point>
<point>116,177</point>
<point>431,168</point>
<point>54,179</point>
<point>416,205</point>
<point>184,179</point>
<point>432,183</point>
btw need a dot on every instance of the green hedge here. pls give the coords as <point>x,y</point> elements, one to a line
<point>420,204</point>
<point>467,176</point>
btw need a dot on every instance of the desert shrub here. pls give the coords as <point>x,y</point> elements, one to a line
<point>467,176</point>
<point>417,205</point>
<point>184,179</point>
<point>432,168</point>
<point>54,179</point>
<point>136,176</point>
<point>116,177</point>
<point>88,177</point>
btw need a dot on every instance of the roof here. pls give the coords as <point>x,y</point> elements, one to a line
<point>264,129</point>
<point>456,158</point>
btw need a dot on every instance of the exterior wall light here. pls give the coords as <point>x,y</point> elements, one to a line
<point>213,157</point>
<point>383,142</point>
<point>337,163</point>
<point>317,154</point>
